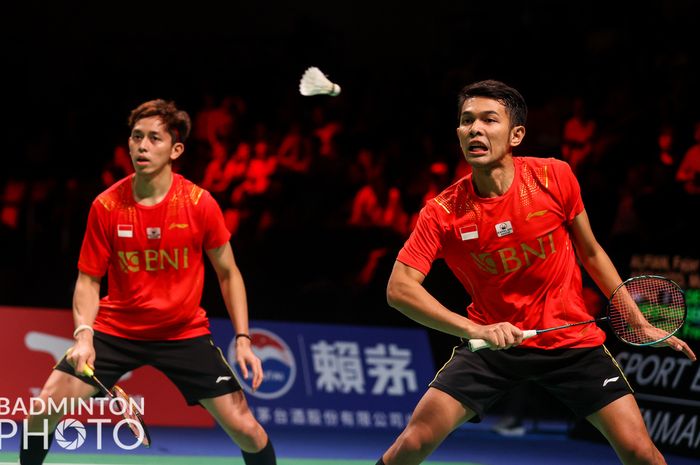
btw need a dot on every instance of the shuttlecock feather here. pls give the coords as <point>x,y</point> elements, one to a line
<point>314,82</point>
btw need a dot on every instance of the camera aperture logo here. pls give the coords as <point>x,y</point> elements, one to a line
<point>62,436</point>
<point>71,433</point>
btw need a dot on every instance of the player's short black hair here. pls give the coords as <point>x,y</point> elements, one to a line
<point>497,90</point>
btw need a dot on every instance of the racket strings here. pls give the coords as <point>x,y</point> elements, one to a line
<point>647,310</point>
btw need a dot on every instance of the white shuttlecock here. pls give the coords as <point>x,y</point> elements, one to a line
<point>314,82</point>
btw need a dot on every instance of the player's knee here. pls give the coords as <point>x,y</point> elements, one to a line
<point>249,427</point>
<point>41,417</point>
<point>642,453</point>
<point>247,431</point>
<point>417,440</point>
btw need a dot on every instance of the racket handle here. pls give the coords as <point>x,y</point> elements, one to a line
<point>478,344</point>
<point>88,371</point>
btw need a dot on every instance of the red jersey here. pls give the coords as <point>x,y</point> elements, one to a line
<point>154,260</point>
<point>512,253</point>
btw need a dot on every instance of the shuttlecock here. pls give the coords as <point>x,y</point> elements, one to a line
<point>314,82</point>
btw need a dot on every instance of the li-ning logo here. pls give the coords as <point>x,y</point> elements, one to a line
<point>535,214</point>
<point>610,380</point>
<point>53,345</point>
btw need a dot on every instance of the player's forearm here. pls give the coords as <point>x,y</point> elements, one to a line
<point>233,292</point>
<point>592,256</point>
<point>411,299</point>
<point>86,302</point>
<point>601,269</point>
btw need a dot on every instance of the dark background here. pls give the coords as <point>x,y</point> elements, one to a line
<point>72,72</point>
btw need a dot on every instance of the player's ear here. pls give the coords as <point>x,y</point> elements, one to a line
<point>177,150</point>
<point>517,134</point>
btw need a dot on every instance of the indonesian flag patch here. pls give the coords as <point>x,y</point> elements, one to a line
<point>125,230</point>
<point>469,232</point>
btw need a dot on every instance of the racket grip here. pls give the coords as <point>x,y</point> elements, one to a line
<point>88,371</point>
<point>478,344</point>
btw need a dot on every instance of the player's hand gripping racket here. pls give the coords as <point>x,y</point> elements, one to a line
<point>642,311</point>
<point>130,412</point>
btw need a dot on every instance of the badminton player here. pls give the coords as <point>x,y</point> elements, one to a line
<point>149,232</point>
<point>511,232</point>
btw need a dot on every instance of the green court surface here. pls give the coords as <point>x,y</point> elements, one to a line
<point>107,459</point>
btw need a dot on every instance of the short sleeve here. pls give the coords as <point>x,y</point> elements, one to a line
<point>570,190</point>
<point>96,249</point>
<point>424,245</point>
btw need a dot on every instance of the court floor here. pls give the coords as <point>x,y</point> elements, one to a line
<point>470,445</point>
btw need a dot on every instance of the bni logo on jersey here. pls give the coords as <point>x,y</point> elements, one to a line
<point>277,361</point>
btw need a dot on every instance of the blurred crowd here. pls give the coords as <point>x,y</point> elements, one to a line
<point>319,205</point>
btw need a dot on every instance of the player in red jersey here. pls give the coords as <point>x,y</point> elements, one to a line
<point>510,233</point>
<point>149,233</point>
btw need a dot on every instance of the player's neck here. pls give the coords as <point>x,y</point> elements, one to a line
<point>493,181</point>
<point>151,189</point>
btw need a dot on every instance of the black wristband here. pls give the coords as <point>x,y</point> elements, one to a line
<point>247,336</point>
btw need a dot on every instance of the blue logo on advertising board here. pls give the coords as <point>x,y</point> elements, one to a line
<point>333,376</point>
<point>277,360</point>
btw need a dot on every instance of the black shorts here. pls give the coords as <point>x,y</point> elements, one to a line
<point>196,366</point>
<point>585,380</point>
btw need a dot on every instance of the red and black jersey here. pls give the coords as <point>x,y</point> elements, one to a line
<point>154,259</point>
<point>513,253</point>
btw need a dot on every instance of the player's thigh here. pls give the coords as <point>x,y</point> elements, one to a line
<point>196,366</point>
<point>622,425</point>
<point>114,356</point>
<point>61,385</point>
<point>437,415</point>
<point>232,405</point>
<point>232,412</point>
<point>477,380</point>
<point>58,386</point>
<point>585,380</point>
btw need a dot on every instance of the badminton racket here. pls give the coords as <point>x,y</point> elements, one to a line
<point>136,423</point>
<point>642,311</point>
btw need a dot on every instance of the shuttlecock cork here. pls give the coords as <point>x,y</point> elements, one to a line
<point>314,82</point>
